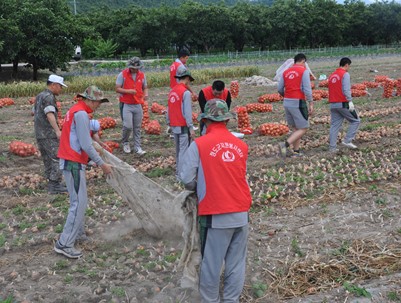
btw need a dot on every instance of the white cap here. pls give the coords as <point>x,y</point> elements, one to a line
<point>57,79</point>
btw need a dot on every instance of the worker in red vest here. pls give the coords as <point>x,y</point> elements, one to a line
<point>341,106</point>
<point>179,114</point>
<point>215,91</point>
<point>183,56</point>
<point>133,89</point>
<point>75,150</point>
<point>215,166</point>
<point>295,86</point>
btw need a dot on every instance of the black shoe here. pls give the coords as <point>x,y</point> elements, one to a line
<point>55,188</point>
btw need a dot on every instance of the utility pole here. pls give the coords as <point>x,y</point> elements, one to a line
<point>75,7</point>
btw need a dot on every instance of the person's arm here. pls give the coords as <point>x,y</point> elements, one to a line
<point>310,72</point>
<point>81,120</point>
<point>119,86</point>
<point>280,87</point>
<point>306,87</point>
<point>346,87</point>
<point>189,167</point>
<point>49,108</point>
<point>307,90</point>
<point>51,117</point>
<point>187,112</point>
<point>228,100</point>
<point>202,101</point>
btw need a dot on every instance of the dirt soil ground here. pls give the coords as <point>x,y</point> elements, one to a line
<point>324,228</point>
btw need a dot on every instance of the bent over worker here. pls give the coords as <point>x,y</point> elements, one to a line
<point>75,150</point>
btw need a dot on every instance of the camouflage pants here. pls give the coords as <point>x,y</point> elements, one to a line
<point>48,149</point>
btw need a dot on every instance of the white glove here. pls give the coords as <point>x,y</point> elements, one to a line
<point>351,106</point>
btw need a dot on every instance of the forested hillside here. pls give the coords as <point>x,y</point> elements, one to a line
<point>82,6</point>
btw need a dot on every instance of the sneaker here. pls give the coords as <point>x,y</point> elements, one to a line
<point>297,154</point>
<point>55,188</point>
<point>349,145</point>
<point>126,148</point>
<point>140,151</point>
<point>69,252</point>
<point>282,149</point>
<point>334,150</point>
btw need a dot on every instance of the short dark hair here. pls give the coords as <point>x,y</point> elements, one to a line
<point>344,61</point>
<point>183,53</point>
<point>218,85</point>
<point>299,57</point>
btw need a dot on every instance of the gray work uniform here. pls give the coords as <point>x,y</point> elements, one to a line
<point>296,110</point>
<point>75,179</point>
<point>131,115</point>
<point>340,111</point>
<point>224,239</point>
<point>182,137</point>
<point>46,137</point>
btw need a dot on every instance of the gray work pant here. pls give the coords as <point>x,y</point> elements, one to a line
<point>337,117</point>
<point>132,115</point>
<point>75,224</point>
<point>182,142</point>
<point>48,149</point>
<point>228,245</point>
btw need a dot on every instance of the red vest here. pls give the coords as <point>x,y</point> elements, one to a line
<point>293,81</point>
<point>223,158</point>
<point>336,86</point>
<point>208,93</point>
<point>65,151</point>
<point>129,83</point>
<point>173,72</point>
<point>175,98</point>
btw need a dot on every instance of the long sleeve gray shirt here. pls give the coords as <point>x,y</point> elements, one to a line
<point>186,108</point>
<point>305,88</point>
<point>346,89</point>
<point>80,138</point>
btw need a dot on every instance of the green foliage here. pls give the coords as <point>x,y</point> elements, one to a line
<point>2,240</point>
<point>159,172</point>
<point>356,290</point>
<point>9,299</point>
<point>295,248</point>
<point>107,83</point>
<point>118,291</point>
<point>259,289</point>
<point>99,48</point>
<point>393,296</point>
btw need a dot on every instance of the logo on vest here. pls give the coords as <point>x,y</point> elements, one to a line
<point>228,156</point>
<point>333,80</point>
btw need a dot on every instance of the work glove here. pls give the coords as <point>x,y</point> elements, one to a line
<point>351,106</point>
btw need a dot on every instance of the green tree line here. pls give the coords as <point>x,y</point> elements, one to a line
<point>44,32</point>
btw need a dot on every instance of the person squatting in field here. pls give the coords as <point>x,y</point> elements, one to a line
<point>295,87</point>
<point>341,106</point>
<point>214,165</point>
<point>179,115</point>
<point>47,132</point>
<point>133,89</point>
<point>216,90</point>
<point>75,150</point>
